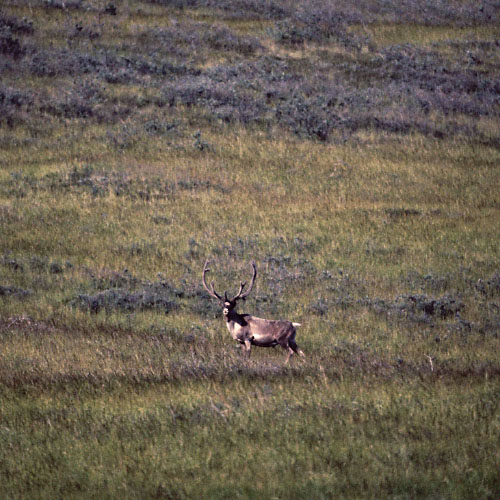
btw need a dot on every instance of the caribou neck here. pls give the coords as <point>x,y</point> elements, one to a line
<point>234,317</point>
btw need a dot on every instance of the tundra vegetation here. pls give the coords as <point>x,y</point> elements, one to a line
<point>351,149</point>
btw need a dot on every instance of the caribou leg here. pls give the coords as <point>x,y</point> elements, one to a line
<point>292,349</point>
<point>295,348</point>
<point>248,347</point>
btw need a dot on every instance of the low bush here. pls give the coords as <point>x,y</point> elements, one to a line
<point>156,296</point>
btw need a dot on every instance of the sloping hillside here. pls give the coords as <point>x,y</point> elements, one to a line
<point>351,149</point>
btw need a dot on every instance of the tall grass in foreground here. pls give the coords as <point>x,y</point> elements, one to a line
<point>219,440</point>
<point>354,159</point>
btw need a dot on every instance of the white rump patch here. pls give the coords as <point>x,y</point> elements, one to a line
<point>296,324</point>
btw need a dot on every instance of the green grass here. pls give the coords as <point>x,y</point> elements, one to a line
<point>384,246</point>
<point>233,440</point>
<point>426,36</point>
<point>146,405</point>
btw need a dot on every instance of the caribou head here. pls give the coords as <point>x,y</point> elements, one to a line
<point>229,304</point>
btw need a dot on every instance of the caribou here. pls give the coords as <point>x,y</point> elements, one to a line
<point>249,330</point>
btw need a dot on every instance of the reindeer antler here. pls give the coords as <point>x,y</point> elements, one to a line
<point>240,294</point>
<point>210,290</point>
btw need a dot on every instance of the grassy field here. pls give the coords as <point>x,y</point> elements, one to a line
<point>352,149</point>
